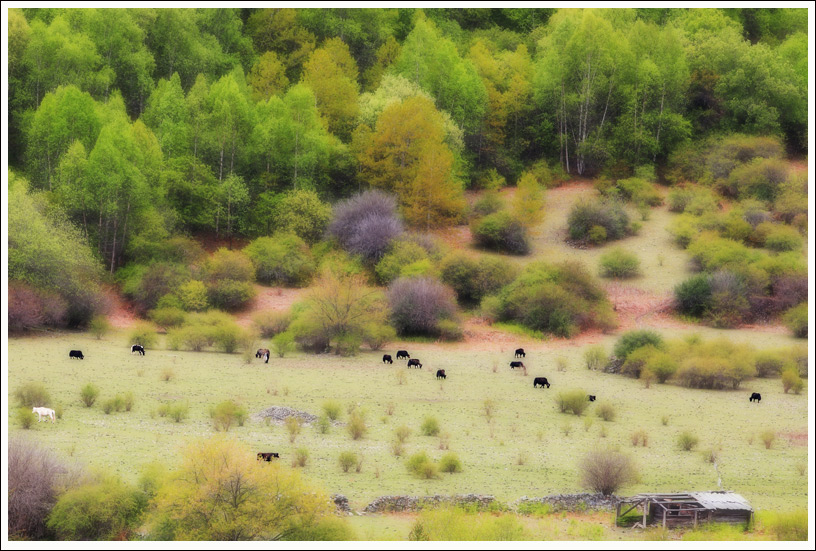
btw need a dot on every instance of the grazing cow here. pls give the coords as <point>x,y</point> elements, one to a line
<point>591,397</point>
<point>440,374</point>
<point>266,357</point>
<point>520,353</point>
<point>403,355</point>
<point>414,362</point>
<point>387,359</point>
<point>514,365</point>
<point>267,456</point>
<point>540,381</point>
<point>137,348</point>
<point>44,412</point>
<point>76,354</point>
<point>261,352</point>
<point>755,396</point>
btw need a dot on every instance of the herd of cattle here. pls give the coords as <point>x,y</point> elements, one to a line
<point>263,353</point>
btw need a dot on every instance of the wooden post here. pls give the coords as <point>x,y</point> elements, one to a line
<point>664,519</point>
<point>645,511</point>
<point>695,519</point>
<point>617,513</point>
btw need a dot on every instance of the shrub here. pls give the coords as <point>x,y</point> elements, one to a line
<point>366,223</point>
<point>421,466</point>
<point>168,318</point>
<point>32,395</point>
<point>178,411</point>
<point>226,413</point>
<point>103,509</point>
<point>605,411</point>
<point>99,326</point>
<point>597,235</point>
<point>283,343</point>
<point>783,238</point>
<point>473,279</point>
<point>283,259</point>
<point>293,427</point>
<point>89,393</point>
<point>377,336</point>
<point>402,433</point>
<point>797,320</point>
<point>761,178</point>
<point>787,526</point>
<point>595,357</point>
<point>639,191</point>
<point>768,437</point>
<point>301,457</point>
<point>193,296</point>
<point>558,299</point>
<point>632,340</point>
<point>419,304</point>
<point>230,295</point>
<point>356,425</point>
<point>430,426</point>
<point>694,200</point>
<point>400,255</point>
<point>29,307</point>
<point>528,201</point>
<point>144,334</point>
<point>449,463</point>
<point>269,322</point>
<point>687,441</point>
<point>25,417</point>
<point>302,213</point>
<point>34,475</point>
<point>641,437</point>
<point>501,232</point>
<point>619,263</point>
<point>347,460</point>
<point>332,409</point>
<point>605,471</point>
<point>488,203</point>
<point>662,365</point>
<point>770,363</point>
<point>693,296</point>
<point>792,381</point>
<point>572,401</point>
<point>607,215</point>
<point>450,330</point>
<point>227,336</point>
<point>323,424</point>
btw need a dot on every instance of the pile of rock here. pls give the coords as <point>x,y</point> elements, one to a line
<point>341,503</point>
<point>387,504</point>
<point>573,502</point>
<point>278,415</point>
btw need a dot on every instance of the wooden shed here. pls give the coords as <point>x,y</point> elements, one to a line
<point>670,510</point>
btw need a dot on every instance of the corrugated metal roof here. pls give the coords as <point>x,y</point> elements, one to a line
<point>722,500</point>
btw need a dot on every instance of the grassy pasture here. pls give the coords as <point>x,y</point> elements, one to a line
<point>525,422</point>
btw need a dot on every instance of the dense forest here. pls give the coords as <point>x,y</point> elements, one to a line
<point>132,128</point>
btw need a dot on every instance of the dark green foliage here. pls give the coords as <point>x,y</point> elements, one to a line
<point>501,232</point>
<point>797,320</point>
<point>283,259</point>
<point>561,299</point>
<point>609,215</point>
<point>632,340</point>
<point>761,178</point>
<point>694,296</point>
<point>474,279</point>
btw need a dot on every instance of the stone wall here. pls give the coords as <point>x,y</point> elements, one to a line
<point>573,502</point>
<point>387,504</point>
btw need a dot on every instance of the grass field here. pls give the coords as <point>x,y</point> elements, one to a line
<point>525,423</point>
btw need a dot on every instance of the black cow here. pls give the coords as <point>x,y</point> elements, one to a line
<point>755,396</point>
<point>540,381</point>
<point>76,354</point>
<point>403,355</point>
<point>137,348</point>
<point>261,352</point>
<point>514,365</point>
<point>414,362</point>
<point>440,374</point>
<point>387,359</point>
<point>266,357</point>
<point>591,397</point>
<point>520,353</point>
<point>267,456</point>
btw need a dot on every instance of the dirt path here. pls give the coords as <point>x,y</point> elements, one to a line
<point>277,299</point>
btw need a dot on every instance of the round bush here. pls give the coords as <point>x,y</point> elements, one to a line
<point>449,463</point>
<point>230,295</point>
<point>572,401</point>
<point>501,232</point>
<point>694,296</point>
<point>430,426</point>
<point>604,471</point>
<point>101,510</point>
<point>366,224</point>
<point>608,215</point>
<point>193,296</point>
<point>783,238</point>
<point>418,305</point>
<point>401,254</point>
<point>32,395</point>
<point>632,340</point>
<point>283,259</point>
<point>797,320</point>
<point>619,263</point>
<point>473,279</point>
<point>302,212</point>
<point>229,265</point>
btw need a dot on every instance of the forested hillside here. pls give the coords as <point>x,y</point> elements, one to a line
<point>140,126</point>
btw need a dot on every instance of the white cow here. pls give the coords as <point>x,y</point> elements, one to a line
<point>44,412</point>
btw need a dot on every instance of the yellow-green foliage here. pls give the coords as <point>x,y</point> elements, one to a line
<point>528,202</point>
<point>572,401</point>
<point>453,524</point>
<point>785,526</point>
<point>714,364</point>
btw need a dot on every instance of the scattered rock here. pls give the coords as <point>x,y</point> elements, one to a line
<point>573,502</point>
<point>388,504</point>
<point>278,414</point>
<point>341,502</point>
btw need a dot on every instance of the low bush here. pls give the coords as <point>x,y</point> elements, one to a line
<point>227,413</point>
<point>768,437</point>
<point>693,296</point>
<point>302,213</point>
<point>595,357</point>
<point>473,279</point>
<point>332,409</point>
<point>356,426</point>
<point>301,457</point>
<point>402,255</point>
<point>782,238</point>
<point>365,224</point>
<point>422,466</point>
<point>632,340</point>
<point>619,263</point>
<point>376,336</point>
<point>283,343</point>
<point>229,294</point>
<point>347,460</point>
<point>144,334</point>
<point>702,371</point>
<point>283,259</point>
<point>402,433</point>
<point>771,363</point>
<point>572,401</point>
<point>99,326</point>
<point>605,471</point>
<point>89,393</point>
<point>760,178</point>
<point>609,215</point>
<point>269,322</point>
<point>418,305</point>
<point>489,203</point>
<point>449,463</point>
<point>430,426</point>
<point>168,318</point>
<point>178,411</point>
<point>687,441</point>
<point>692,199</point>
<point>294,426</point>
<point>797,320</point>
<point>456,524</point>
<point>639,191</point>
<point>193,296</point>
<point>99,510</point>
<point>25,417</point>
<point>605,411</point>
<point>791,381</point>
<point>640,437</point>
<point>786,526</point>
<point>34,476</point>
<point>32,395</point>
<point>501,232</point>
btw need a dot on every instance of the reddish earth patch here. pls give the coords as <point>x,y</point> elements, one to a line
<point>121,313</point>
<point>797,438</point>
<point>277,299</point>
